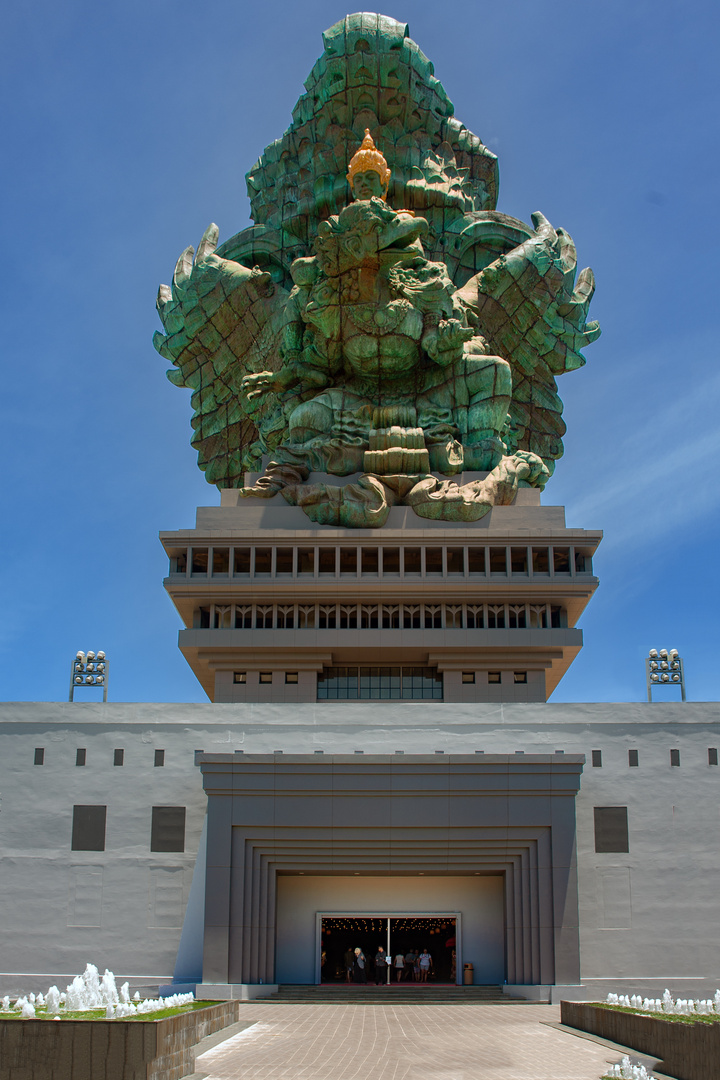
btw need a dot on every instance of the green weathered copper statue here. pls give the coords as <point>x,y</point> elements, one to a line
<point>381,320</point>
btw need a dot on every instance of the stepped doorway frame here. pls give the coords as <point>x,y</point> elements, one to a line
<point>385,914</point>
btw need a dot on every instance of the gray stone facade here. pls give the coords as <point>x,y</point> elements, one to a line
<point>648,916</point>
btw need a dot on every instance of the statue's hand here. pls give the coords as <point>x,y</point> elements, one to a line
<point>448,345</point>
<point>530,468</point>
<point>262,382</point>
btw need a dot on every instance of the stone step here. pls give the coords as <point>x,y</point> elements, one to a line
<point>395,995</point>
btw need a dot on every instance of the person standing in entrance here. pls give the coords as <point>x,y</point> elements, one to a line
<point>349,964</point>
<point>399,966</point>
<point>360,970</point>
<point>409,964</point>
<point>380,966</point>
<point>425,962</point>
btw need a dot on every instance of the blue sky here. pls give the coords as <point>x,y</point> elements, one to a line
<point>129,127</point>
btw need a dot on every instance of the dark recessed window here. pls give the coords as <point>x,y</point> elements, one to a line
<point>391,560</point>
<point>455,560</point>
<point>611,829</point>
<point>263,560</point>
<point>597,759</point>
<point>674,757</point>
<point>40,755</point>
<point>520,676</point>
<point>498,561</point>
<point>241,561</point>
<point>476,560</point>
<point>168,828</point>
<point>468,676</point>
<point>88,828</point>
<point>494,677</point>
<point>712,755</point>
<point>518,560</point>
<point>80,756</point>
<point>239,676</point>
<point>633,759</point>
<point>266,676</point>
<point>159,758</point>
<point>221,562</point>
<point>433,561</point>
<point>369,560</point>
<point>306,560</point>
<point>118,757</point>
<point>377,683</point>
<point>199,561</point>
<point>541,561</point>
<point>411,559</point>
<point>348,560</point>
<point>284,561</point>
<point>326,560</point>
<point>291,676</point>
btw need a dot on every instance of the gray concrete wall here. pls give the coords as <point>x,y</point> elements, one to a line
<point>648,918</point>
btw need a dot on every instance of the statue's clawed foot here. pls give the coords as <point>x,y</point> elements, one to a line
<point>275,478</point>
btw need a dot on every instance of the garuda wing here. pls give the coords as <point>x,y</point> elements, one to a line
<point>223,321</point>
<point>531,311</point>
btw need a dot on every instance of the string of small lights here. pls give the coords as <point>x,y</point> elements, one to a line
<point>376,925</point>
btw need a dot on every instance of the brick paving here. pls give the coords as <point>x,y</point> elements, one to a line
<point>403,1042</point>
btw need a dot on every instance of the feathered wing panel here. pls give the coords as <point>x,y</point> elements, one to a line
<point>222,321</point>
<point>530,309</point>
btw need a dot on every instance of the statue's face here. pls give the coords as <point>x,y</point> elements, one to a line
<point>367,185</point>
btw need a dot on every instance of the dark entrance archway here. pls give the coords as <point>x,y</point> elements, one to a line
<point>397,935</point>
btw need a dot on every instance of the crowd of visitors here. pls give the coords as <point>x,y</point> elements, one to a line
<point>414,965</point>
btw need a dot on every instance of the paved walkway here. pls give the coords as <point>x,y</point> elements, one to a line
<point>403,1042</point>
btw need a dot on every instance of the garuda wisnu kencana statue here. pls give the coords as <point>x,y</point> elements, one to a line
<point>396,341</point>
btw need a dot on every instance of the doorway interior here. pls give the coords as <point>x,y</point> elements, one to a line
<point>397,935</point>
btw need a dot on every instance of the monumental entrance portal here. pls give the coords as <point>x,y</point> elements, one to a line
<point>373,371</point>
<point>394,828</point>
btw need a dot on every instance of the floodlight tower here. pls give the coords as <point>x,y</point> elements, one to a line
<point>664,668</point>
<point>89,669</point>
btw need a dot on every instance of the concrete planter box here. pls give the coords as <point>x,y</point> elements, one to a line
<point>689,1051</point>
<point>108,1049</point>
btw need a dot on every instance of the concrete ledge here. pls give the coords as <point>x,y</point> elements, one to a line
<point>234,991</point>
<point>686,1050</point>
<point>108,1049</point>
<point>553,993</point>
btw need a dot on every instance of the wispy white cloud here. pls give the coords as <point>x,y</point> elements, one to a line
<point>654,472</point>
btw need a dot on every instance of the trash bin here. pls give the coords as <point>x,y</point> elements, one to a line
<point>467,974</point>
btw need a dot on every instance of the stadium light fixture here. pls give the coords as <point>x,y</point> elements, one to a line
<point>89,669</point>
<point>664,668</point>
